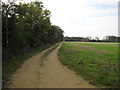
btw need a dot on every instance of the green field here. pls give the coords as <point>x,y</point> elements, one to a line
<point>95,62</point>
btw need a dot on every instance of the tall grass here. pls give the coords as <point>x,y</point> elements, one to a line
<point>99,69</point>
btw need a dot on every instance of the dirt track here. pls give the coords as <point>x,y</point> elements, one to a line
<point>51,75</point>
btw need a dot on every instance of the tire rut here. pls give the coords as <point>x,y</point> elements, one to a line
<point>51,75</point>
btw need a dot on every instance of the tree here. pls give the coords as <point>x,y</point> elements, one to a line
<point>97,38</point>
<point>112,38</point>
<point>27,25</point>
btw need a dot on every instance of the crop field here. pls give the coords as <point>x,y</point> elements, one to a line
<point>95,62</point>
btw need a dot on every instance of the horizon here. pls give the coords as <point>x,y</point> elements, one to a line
<point>92,37</point>
<point>82,18</point>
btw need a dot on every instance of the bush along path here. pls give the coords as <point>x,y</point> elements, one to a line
<point>52,74</point>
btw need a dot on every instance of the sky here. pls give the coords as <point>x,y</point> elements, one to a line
<point>82,18</point>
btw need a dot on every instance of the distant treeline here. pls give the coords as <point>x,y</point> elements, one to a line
<point>89,39</point>
<point>26,26</point>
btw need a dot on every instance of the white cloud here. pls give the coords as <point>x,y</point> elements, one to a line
<point>83,18</point>
<point>99,26</point>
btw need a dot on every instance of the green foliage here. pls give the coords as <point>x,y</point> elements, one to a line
<point>27,26</point>
<point>99,68</point>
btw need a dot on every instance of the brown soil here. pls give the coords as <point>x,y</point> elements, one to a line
<point>51,75</point>
<point>90,48</point>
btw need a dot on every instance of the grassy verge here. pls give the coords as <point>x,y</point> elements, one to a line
<point>12,65</point>
<point>47,53</point>
<point>99,69</point>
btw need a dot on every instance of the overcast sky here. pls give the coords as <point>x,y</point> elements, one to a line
<point>84,17</point>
